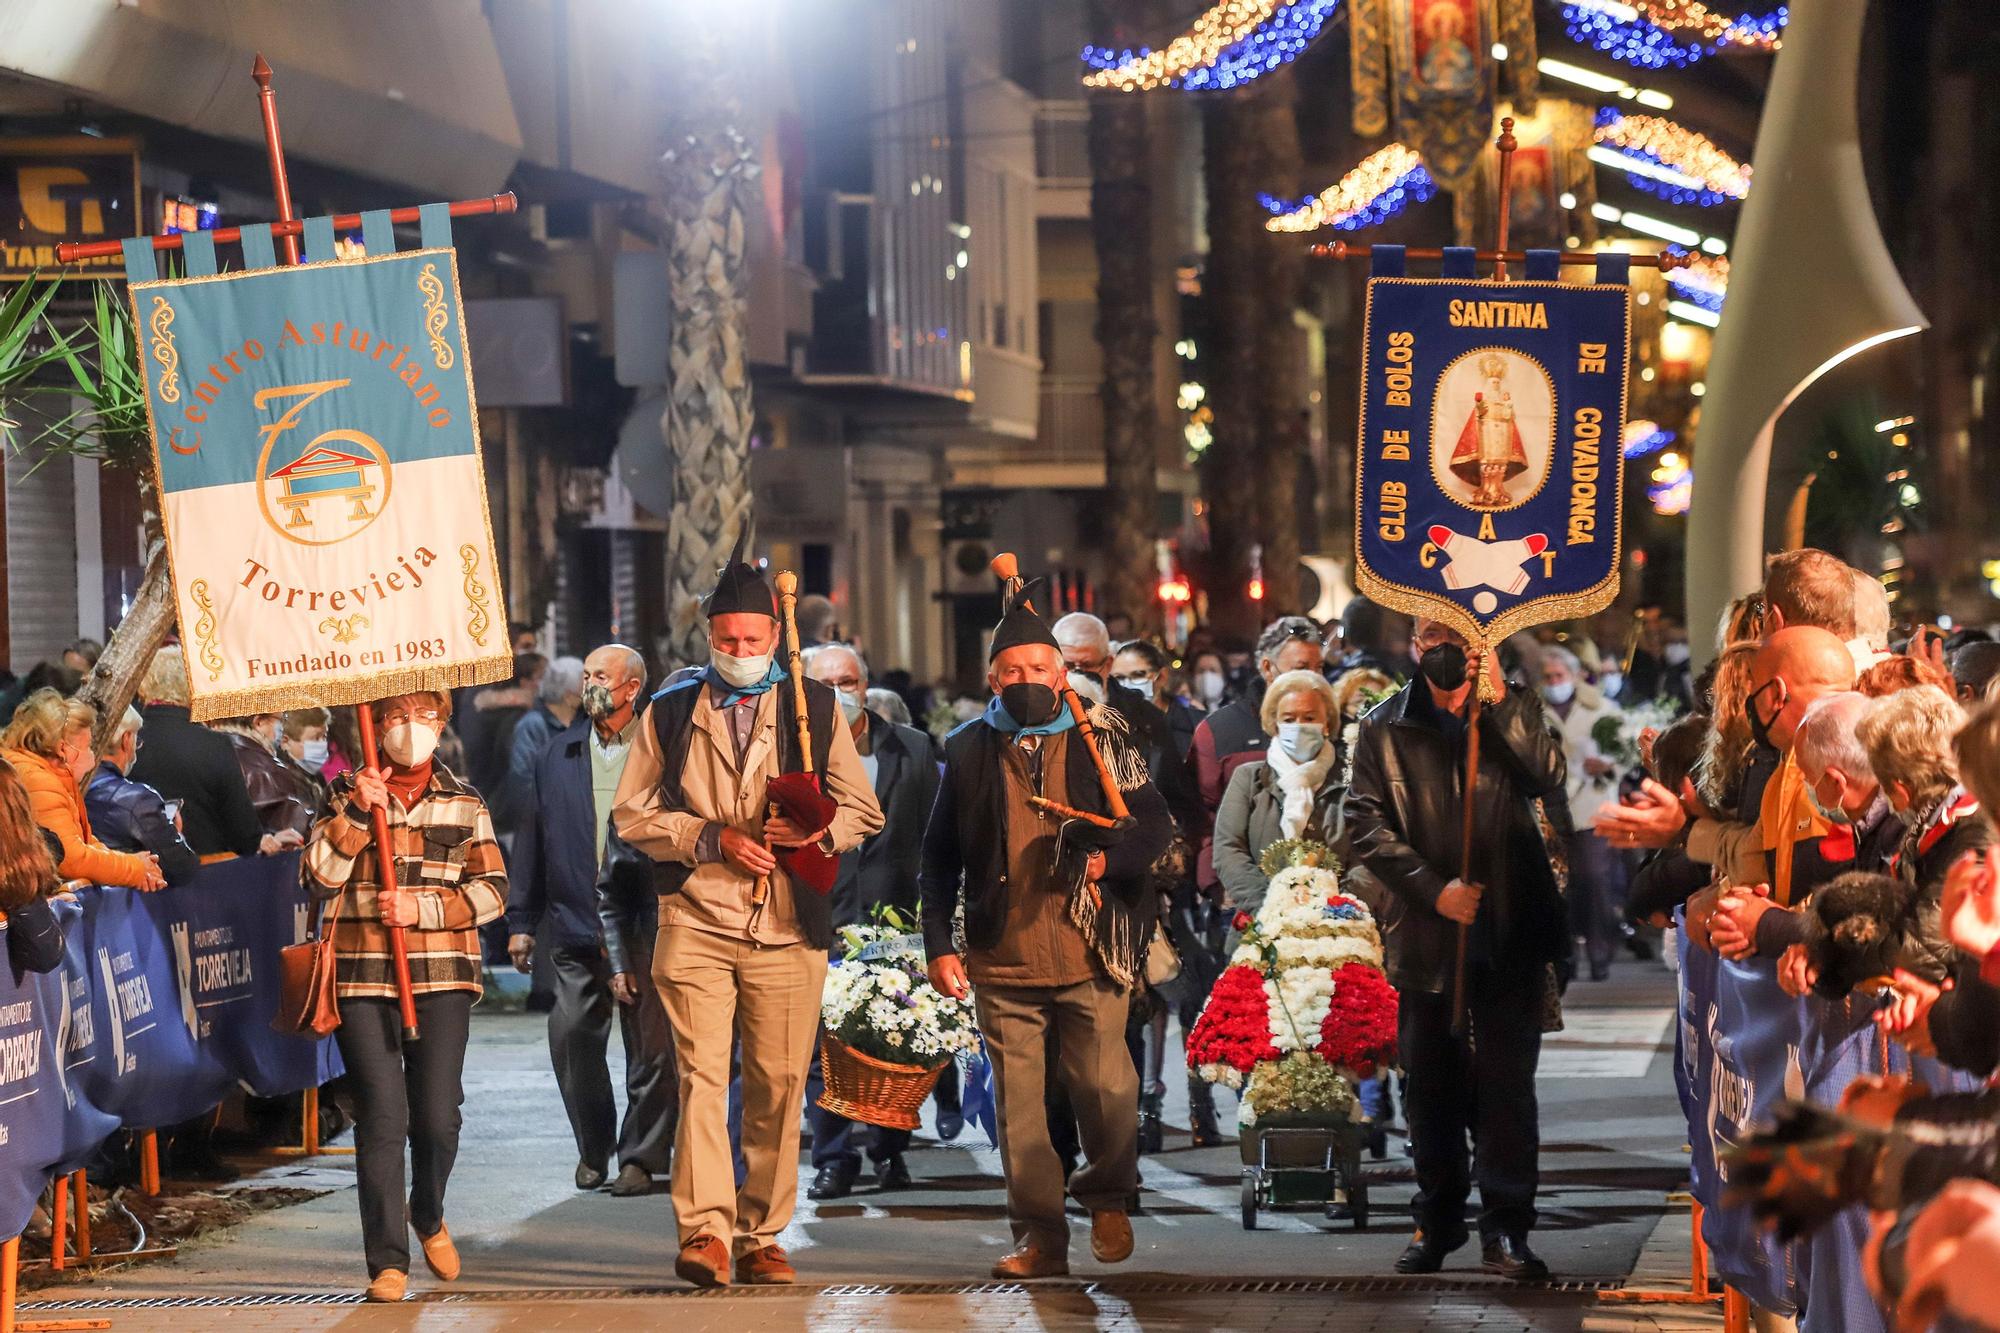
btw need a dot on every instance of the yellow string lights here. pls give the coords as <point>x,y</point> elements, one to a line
<point>1383,173</point>
<point>1206,39</point>
<point>1692,155</point>
<point>1691,16</point>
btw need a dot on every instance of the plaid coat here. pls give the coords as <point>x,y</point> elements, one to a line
<point>446,857</point>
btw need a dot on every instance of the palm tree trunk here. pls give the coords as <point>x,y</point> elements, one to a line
<point>706,174</point>
<point>1281,437</point>
<point>1121,226</point>
<point>114,680</point>
<point>1233,309</point>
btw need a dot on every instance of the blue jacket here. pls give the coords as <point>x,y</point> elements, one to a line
<point>129,816</point>
<point>553,870</point>
<point>511,798</point>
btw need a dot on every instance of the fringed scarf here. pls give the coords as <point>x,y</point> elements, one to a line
<point>1112,927</point>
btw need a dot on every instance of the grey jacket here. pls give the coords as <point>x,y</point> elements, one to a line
<point>1248,822</point>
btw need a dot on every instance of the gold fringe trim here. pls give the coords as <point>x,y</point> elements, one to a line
<point>332,691</point>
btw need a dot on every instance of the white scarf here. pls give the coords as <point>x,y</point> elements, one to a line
<point>1300,783</point>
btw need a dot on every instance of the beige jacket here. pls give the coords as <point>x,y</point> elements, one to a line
<point>715,789</point>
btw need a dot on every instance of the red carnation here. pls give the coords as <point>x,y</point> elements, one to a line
<point>1241,921</point>
<point>1235,1026</point>
<point>1360,1025</point>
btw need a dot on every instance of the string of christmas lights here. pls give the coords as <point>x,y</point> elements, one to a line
<point>1643,437</point>
<point>1703,283</point>
<point>1672,485</point>
<point>1678,164</point>
<point>1380,186</point>
<point>1228,45</point>
<point>1655,34</point>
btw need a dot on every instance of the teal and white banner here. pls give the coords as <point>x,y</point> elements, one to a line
<point>317,450</point>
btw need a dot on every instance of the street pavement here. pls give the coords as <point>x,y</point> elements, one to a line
<point>539,1255</point>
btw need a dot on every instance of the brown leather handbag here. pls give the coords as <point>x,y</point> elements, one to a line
<point>308,1005</point>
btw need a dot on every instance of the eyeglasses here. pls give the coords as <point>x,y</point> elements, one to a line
<point>430,716</point>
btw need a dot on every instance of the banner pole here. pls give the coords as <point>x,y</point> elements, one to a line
<point>1468,829</point>
<point>1506,144</point>
<point>1665,262</point>
<point>274,148</point>
<point>386,861</point>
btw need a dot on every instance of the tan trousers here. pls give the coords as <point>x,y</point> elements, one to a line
<point>715,989</point>
<point>1094,1065</point>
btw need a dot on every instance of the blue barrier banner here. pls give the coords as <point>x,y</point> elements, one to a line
<point>163,1004</point>
<point>1490,472</point>
<point>1754,1043</point>
<point>1694,1070</point>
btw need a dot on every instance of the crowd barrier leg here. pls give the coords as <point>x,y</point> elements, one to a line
<point>81,1205</point>
<point>1735,1311</point>
<point>10,1286</point>
<point>309,1144</point>
<point>1699,1291</point>
<point>1698,1265</point>
<point>58,1226</point>
<point>149,1162</point>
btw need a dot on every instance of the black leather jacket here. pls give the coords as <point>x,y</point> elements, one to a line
<point>1405,825</point>
<point>129,816</point>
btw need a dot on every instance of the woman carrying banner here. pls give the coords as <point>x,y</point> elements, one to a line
<point>450,881</point>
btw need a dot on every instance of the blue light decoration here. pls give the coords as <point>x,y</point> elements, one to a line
<point>1382,185</point>
<point>1231,44</point>
<point>1703,283</point>
<point>1689,32</point>
<point>1672,486</point>
<point>1643,438</point>
<point>1662,158</point>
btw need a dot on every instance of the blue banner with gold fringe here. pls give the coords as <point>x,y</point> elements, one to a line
<point>316,446</point>
<point>1490,472</point>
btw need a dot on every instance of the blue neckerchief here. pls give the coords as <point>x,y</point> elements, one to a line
<point>737,694</point>
<point>1003,721</point>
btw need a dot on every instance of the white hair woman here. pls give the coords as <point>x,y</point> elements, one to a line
<point>1908,736</point>
<point>1293,792</point>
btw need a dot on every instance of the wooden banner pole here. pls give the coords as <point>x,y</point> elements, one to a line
<point>1506,144</point>
<point>274,148</point>
<point>1569,258</point>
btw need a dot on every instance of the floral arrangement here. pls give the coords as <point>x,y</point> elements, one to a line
<point>1303,1001</point>
<point>879,1002</point>
<point>1617,733</point>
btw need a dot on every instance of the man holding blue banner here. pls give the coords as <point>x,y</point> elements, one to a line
<point>1488,488</point>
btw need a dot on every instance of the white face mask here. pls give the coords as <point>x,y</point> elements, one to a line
<point>1677,654</point>
<point>740,671</point>
<point>1209,685</point>
<point>1142,686</point>
<point>409,744</point>
<point>1301,740</point>
<point>1559,694</point>
<point>1610,683</point>
<point>313,753</point>
<point>851,705</point>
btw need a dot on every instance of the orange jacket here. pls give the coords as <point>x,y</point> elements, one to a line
<point>58,807</point>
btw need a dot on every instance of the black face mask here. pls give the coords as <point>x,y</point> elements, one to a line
<point>1760,730</point>
<point>1028,703</point>
<point>1444,666</point>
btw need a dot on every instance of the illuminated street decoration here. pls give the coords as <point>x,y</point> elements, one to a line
<point>1230,44</point>
<point>1661,33</point>
<point>1703,283</point>
<point>1643,437</point>
<point>1379,187</point>
<point>1661,157</point>
<point>1672,485</point>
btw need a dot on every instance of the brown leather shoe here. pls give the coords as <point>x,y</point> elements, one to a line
<point>1110,1236</point>
<point>440,1254</point>
<point>389,1285</point>
<point>704,1261</point>
<point>768,1267</point>
<point>1030,1262</point>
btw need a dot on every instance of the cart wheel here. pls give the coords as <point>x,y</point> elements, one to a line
<point>1249,1200</point>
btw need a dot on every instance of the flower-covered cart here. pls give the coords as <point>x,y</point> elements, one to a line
<point>1300,1016</point>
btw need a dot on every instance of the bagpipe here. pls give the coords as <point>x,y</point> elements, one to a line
<point>799,796</point>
